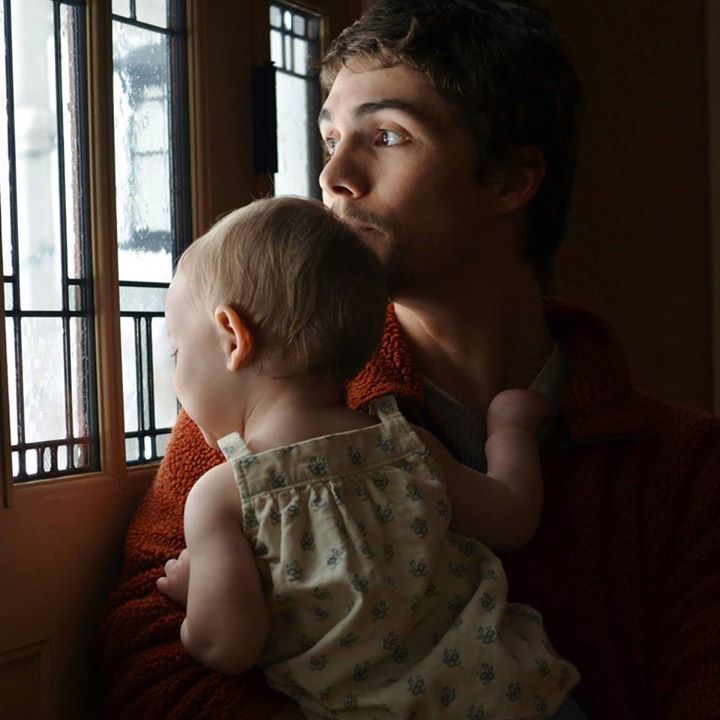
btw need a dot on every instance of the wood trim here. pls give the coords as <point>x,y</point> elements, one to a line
<point>104,233</point>
<point>713,60</point>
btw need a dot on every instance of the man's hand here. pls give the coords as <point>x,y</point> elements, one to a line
<point>174,584</point>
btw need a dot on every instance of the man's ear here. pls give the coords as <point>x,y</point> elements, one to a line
<point>237,339</point>
<point>523,171</point>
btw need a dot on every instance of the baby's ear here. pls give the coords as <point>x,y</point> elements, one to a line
<point>237,339</point>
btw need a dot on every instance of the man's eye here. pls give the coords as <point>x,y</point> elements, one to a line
<point>390,137</point>
<point>330,145</point>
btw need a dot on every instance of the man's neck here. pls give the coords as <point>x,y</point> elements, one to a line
<point>474,347</point>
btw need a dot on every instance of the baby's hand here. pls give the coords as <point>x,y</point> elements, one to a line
<point>174,584</point>
<point>513,409</point>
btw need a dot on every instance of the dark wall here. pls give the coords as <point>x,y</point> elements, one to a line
<point>638,249</point>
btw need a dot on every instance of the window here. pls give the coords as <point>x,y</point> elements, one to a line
<point>152,208</point>
<point>294,47</point>
<point>48,246</point>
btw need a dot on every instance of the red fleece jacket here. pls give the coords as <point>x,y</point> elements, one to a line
<point>625,566</point>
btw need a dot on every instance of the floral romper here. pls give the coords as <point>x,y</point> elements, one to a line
<point>376,609</point>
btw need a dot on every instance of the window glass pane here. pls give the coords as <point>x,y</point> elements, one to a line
<point>163,369</point>
<point>275,16</point>
<point>12,375</point>
<point>300,56</point>
<point>5,238</point>
<point>141,298</point>
<point>80,401</point>
<point>132,453</point>
<point>293,45</point>
<point>121,7</point>
<point>36,155</point>
<point>8,296</point>
<point>276,48</point>
<point>142,157</point>
<point>292,177</point>
<point>152,11</point>
<point>130,389</point>
<point>69,68</point>
<point>44,392</point>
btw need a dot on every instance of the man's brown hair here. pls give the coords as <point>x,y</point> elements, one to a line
<point>310,290</point>
<point>502,68</point>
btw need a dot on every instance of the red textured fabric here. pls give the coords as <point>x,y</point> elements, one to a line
<point>625,566</point>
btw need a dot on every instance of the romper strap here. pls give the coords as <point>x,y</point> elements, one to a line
<point>233,447</point>
<point>385,408</point>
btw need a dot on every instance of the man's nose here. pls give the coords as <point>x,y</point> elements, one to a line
<point>344,175</point>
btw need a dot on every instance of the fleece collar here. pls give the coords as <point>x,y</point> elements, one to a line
<point>598,399</point>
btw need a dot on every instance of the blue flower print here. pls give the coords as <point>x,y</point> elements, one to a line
<point>318,662</point>
<point>487,602</point>
<point>385,443</point>
<point>418,568</point>
<point>360,671</point>
<point>416,685</point>
<point>451,657</point>
<point>542,667</point>
<point>321,614</point>
<point>390,641</point>
<point>487,635</point>
<point>380,480</point>
<point>294,572</point>
<point>355,456</point>
<point>412,492</point>
<point>400,654</point>
<point>405,465</point>
<point>250,519</point>
<point>385,514</point>
<point>420,527</point>
<point>455,606</point>
<point>380,611</point>
<point>293,510</point>
<point>260,548</point>
<point>443,509</point>
<point>321,594</point>
<point>540,704</point>
<point>347,641</point>
<point>476,712</point>
<point>514,692</point>
<point>306,643</point>
<point>360,583</point>
<point>447,695</point>
<point>277,479</point>
<point>318,466</point>
<point>486,673</point>
<point>334,557</point>
<point>307,541</point>
<point>388,551</point>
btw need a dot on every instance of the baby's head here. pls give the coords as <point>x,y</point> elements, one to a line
<point>308,289</point>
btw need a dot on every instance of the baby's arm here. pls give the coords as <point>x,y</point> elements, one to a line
<point>227,619</point>
<point>503,507</point>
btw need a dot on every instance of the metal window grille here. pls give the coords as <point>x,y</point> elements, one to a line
<point>45,239</point>
<point>150,73</point>
<point>294,48</point>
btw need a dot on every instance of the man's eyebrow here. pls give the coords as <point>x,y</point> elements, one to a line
<point>370,108</point>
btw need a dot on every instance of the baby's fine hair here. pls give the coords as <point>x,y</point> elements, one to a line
<point>309,289</point>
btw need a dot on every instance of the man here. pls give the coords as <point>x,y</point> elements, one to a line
<point>451,134</point>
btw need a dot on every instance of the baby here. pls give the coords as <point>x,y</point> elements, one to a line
<point>347,554</point>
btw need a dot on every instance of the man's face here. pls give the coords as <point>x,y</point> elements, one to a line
<point>402,171</point>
